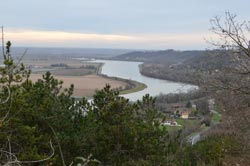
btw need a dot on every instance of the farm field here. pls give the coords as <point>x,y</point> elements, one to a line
<point>85,85</point>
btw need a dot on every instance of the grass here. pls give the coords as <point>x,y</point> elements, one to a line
<point>73,72</point>
<point>216,118</point>
<point>187,121</point>
<point>139,87</point>
<point>169,128</point>
<point>182,122</point>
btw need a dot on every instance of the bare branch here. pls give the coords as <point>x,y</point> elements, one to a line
<point>59,145</point>
<point>8,96</point>
<point>16,161</point>
<point>4,57</point>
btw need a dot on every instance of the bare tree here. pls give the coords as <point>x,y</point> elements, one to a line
<point>231,85</point>
<point>234,39</point>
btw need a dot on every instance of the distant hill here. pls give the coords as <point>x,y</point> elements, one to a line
<point>205,64</point>
<point>205,60</point>
<point>211,60</point>
<point>162,57</point>
<point>36,52</point>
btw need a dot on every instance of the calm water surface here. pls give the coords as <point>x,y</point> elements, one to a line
<point>130,70</point>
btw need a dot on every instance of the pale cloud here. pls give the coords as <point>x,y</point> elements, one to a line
<point>135,41</point>
<point>45,36</point>
<point>148,24</point>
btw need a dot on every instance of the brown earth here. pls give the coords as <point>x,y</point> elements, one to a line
<point>84,85</point>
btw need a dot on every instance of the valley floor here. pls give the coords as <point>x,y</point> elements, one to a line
<point>85,85</point>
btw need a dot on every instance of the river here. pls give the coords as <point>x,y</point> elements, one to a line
<point>130,70</point>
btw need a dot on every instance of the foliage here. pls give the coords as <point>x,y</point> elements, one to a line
<point>208,152</point>
<point>216,118</point>
<point>111,129</point>
<point>120,132</point>
<point>31,113</point>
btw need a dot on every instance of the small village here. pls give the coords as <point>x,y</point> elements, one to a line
<point>180,112</point>
<point>186,115</point>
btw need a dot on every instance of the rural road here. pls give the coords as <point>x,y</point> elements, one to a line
<point>194,138</point>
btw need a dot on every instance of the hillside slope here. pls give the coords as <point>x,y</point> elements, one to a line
<point>162,57</point>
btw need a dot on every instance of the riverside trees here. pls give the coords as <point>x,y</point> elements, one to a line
<point>233,36</point>
<point>231,84</point>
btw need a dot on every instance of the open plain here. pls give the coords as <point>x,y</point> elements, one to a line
<point>84,85</point>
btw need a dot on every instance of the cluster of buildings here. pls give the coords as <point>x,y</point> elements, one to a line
<point>182,112</point>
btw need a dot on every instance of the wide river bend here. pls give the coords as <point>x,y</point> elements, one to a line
<point>130,70</point>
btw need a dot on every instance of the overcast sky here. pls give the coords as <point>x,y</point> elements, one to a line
<point>138,24</point>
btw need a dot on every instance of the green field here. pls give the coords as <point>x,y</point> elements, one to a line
<point>139,87</point>
<point>169,128</point>
<point>187,121</point>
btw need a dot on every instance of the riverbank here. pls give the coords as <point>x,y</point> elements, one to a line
<point>138,87</point>
<point>167,73</point>
<point>132,86</point>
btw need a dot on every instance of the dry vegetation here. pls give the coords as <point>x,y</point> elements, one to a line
<point>47,62</point>
<point>85,85</point>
